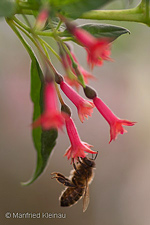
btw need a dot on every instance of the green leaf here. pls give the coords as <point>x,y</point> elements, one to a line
<point>104,30</point>
<point>75,8</point>
<point>44,141</point>
<point>7,8</point>
<point>100,31</point>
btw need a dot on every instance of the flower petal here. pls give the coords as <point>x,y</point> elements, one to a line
<point>117,128</point>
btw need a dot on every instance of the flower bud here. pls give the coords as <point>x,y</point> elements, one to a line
<point>70,26</point>
<point>89,92</point>
<point>66,109</point>
<point>58,78</point>
<point>42,18</point>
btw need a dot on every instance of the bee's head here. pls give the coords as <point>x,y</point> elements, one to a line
<point>89,162</point>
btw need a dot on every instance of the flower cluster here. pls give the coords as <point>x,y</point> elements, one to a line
<point>98,50</point>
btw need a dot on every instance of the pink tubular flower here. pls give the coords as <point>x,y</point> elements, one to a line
<point>71,77</point>
<point>98,49</point>
<point>51,117</point>
<point>74,82</point>
<point>116,124</point>
<point>84,107</point>
<point>86,74</point>
<point>78,147</point>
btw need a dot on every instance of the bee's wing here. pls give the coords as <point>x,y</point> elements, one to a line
<point>86,198</point>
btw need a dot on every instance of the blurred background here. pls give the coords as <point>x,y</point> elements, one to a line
<point>120,191</point>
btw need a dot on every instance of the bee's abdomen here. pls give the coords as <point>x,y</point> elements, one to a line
<point>70,196</point>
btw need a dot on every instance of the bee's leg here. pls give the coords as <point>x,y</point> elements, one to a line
<point>57,174</point>
<point>84,165</point>
<point>63,180</point>
<point>74,165</point>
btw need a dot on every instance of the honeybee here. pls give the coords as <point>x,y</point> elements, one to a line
<point>77,185</point>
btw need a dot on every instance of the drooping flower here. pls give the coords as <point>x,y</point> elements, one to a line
<point>51,117</point>
<point>98,49</point>
<point>70,75</point>
<point>78,147</point>
<point>84,107</point>
<point>74,82</point>
<point>116,124</point>
<point>86,75</point>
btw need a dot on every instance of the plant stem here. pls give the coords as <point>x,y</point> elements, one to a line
<point>21,24</point>
<point>138,14</point>
<point>44,48</point>
<point>42,33</point>
<point>59,24</point>
<point>24,31</point>
<point>51,49</point>
<point>38,45</point>
<point>10,23</point>
<point>27,47</point>
<point>118,15</point>
<point>132,15</point>
<point>26,28</point>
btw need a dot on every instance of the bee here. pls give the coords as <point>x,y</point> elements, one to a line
<point>77,185</point>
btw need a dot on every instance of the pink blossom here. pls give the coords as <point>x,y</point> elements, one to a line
<point>74,82</point>
<point>86,75</point>
<point>116,124</point>
<point>64,60</point>
<point>51,117</point>
<point>71,78</point>
<point>78,147</point>
<point>98,49</point>
<point>84,107</point>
